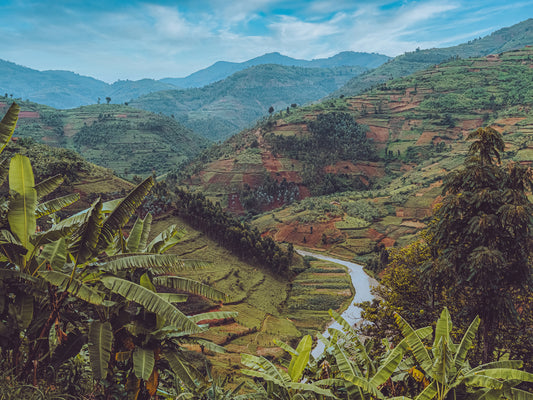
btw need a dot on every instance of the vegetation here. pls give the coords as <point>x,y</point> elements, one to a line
<point>81,280</point>
<point>228,231</point>
<point>223,108</point>
<point>128,141</point>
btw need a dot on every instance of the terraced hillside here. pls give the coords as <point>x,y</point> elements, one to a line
<point>126,140</point>
<point>418,125</point>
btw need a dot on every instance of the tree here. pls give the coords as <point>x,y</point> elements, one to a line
<point>108,99</point>
<point>481,236</point>
<point>270,110</point>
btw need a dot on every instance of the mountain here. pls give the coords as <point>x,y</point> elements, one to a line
<point>417,126</point>
<point>126,140</point>
<point>65,89</point>
<point>225,107</point>
<point>222,69</point>
<point>514,37</point>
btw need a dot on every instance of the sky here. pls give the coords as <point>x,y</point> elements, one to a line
<point>135,39</point>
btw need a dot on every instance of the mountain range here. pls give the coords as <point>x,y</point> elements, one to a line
<point>65,89</point>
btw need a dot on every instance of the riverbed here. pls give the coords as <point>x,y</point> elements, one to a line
<point>362,284</point>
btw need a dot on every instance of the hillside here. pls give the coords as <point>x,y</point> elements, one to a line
<point>223,108</point>
<point>417,125</point>
<point>222,69</point>
<point>126,140</point>
<point>511,38</point>
<point>65,89</point>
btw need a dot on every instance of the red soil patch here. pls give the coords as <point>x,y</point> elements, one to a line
<point>471,124</point>
<point>388,242</point>
<point>425,138</point>
<point>374,235</point>
<point>290,176</point>
<point>378,134</point>
<point>270,162</point>
<point>295,233</point>
<point>509,121</point>
<point>28,114</point>
<point>253,180</point>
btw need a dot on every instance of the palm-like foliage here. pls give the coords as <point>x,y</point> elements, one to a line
<point>449,372</point>
<point>83,275</point>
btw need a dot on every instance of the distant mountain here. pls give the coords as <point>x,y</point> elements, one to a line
<point>65,89</point>
<point>511,38</point>
<point>222,69</point>
<point>127,140</point>
<point>223,108</point>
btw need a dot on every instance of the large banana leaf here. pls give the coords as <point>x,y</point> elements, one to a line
<point>48,185</point>
<point>122,213</point>
<point>213,315</point>
<point>74,286</point>
<point>429,392</point>
<point>165,240</point>
<point>443,328</point>
<point>156,263</point>
<point>179,368</point>
<point>100,343</point>
<point>504,374</point>
<point>83,246</point>
<point>54,254</point>
<point>147,225</point>
<point>143,363</point>
<point>262,365</point>
<point>415,343</point>
<point>24,310</point>
<point>466,343</point>
<point>23,201</point>
<point>387,369</point>
<point>310,387</point>
<point>151,301</point>
<point>11,248</point>
<point>509,364</point>
<point>443,366</point>
<point>190,286</point>
<point>299,361</point>
<point>55,205</point>
<point>8,124</point>
<point>136,233</point>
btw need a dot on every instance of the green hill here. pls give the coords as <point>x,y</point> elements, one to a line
<point>417,126</point>
<point>514,37</point>
<point>223,108</point>
<point>127,140</point>
<point>222,69</point>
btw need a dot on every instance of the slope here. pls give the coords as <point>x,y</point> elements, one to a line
<point>223,108</point>
<point>65,89</point>
<point>126,140</point>
<point>417,124</point>
<point>505,39</point>
<point>222,69</point>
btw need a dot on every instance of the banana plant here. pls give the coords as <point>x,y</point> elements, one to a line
<point>354,370</point>
<point>281,384</point>
<point>448,371</point>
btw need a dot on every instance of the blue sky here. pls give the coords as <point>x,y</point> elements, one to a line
<point>132,39</point>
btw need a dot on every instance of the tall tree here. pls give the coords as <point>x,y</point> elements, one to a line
<point>482,235</point>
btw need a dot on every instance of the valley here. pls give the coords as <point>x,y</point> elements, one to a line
<point>199,240</point>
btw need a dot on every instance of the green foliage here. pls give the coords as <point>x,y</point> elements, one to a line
<point>221,109</point>
<point>227,230</point>
<point>333,137</point>
<point>481,235</point>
